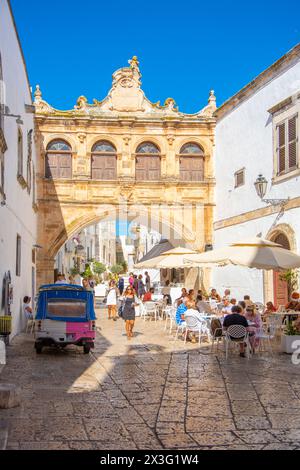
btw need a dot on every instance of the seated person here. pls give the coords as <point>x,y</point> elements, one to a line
<point>183,295</point>
<point>233,302</point>
<point>214,295</point>
<point>236,318</point>
<point>191,295</point>
<point>27,310</point>
<point>242,304</point>
<point>294,302</point>
<point>247,300</point>
<point>181,309</point>
<point>253,316</point>
<point>191,312</point>
<point>148,295</point>
<point>226,308</point>
<point>226,295</point>
<point>270,308</point>
<point>202,306</point>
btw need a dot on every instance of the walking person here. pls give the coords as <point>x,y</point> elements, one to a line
<point>135,283</point>
<point>129,303</point>
<point>121,284</point>
<point>112,300</point>
<point>141,287</point>
<point>147,281</point>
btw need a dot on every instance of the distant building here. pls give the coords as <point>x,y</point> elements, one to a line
<point>96,242</point>
<point>257,132</point>
<point>17,175</point>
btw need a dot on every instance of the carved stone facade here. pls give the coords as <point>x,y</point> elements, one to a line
<point>122,123</point>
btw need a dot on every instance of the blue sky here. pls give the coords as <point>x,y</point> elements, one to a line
<point>185,48</point>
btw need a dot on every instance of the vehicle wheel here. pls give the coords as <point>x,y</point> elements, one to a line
<point>38,349</point>
<point>86,348</point>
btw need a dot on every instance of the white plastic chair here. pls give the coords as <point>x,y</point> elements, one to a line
<point>195,325</point>
<point>149,310</point>
<point>266,337</point>
<point>236,334</point>
<point>30,325</point>
<point>180,328</point>
<point>170,313</point>
<point>274,324</point>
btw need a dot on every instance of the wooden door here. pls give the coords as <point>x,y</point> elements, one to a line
<point>191,169</point>
<point>104,167</point>
<point>147,168</point>
<point>58,165</point>
<point>281,291</point>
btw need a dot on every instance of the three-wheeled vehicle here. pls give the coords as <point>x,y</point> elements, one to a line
<point>65,315</point>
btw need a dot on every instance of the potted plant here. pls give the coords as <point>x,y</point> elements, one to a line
<point>289,335</point>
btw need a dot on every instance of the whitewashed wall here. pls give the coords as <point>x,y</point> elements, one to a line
<point>17,217</point>
<point>244,140</point>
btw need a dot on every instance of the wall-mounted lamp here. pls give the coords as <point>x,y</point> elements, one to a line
<point>261,185</point>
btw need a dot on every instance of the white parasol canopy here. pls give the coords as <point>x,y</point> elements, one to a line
<point>175,258</point>
<point>252,252</point>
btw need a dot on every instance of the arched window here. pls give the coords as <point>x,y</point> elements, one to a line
<point>104,161</point>
<point>58,160</point>
<point>191,162</point>
<point>147,162</point>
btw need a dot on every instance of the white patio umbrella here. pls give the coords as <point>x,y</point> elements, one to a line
<point>175,258</point>
<point>252,252</point>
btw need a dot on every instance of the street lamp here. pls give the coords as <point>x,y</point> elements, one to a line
<point>261,185</point>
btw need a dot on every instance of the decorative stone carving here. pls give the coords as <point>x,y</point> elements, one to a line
<point>41,106</point>
<point>170,138</point>
<point>170,104</point>
<point>209,110</point>
<point>81,103</point>
<point>81,137</point>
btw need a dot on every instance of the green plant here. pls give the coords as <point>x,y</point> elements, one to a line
<point>116,269</point>
<point>290,330</point>
<point>87,272</point>
<point>74,271</point>
<point>291,276</point>
<point>99,268</point>
<point>125,266</point>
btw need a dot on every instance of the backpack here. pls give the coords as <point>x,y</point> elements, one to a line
<point>216,325</point>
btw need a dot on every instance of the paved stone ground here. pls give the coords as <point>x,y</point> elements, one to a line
<point>150,393</point>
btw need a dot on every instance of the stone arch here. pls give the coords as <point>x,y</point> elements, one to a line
<point>68,138</point>
<point>91,141</point>
<point>286,230</point>
<point>75,221</point>
<point>203,144</point>
<point>158,141</point>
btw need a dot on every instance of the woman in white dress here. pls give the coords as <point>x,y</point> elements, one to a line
<point>112,300</point>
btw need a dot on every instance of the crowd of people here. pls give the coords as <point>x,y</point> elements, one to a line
<point>228,311</point>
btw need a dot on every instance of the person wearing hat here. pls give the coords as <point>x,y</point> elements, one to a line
<point>294,302</point>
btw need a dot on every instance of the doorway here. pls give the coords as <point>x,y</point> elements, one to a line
<point>281,287</point>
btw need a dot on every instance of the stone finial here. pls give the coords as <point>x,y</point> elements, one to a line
<point>37,94</point>
<point>212,98</point>
<point>134,63</point>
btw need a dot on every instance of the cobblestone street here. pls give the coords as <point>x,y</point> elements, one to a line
<point>150,393</point>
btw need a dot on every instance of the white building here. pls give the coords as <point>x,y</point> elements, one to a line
<point>258,133</point>
<point>95,242</point>
<point>17,175</point>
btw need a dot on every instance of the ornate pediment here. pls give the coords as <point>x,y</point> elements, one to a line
<point>125,97</point>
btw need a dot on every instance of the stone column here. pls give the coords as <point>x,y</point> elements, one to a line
<point>44,270</point>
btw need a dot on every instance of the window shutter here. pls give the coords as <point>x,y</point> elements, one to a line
<point>281,148</point>
<point>239,178</point>
<point>292,137</point>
